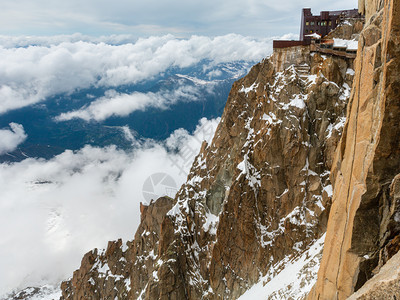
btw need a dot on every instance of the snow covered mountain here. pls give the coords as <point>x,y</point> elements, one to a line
<point>151,109</point>
<point>255,202</point>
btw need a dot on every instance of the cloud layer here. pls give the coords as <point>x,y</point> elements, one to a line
<point>31,74</point>
<point>152,17</point>
<point>55,210</point>
<point>11,138</point>
<point>121,104</point>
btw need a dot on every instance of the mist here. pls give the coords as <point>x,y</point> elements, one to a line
<point>53,211</point>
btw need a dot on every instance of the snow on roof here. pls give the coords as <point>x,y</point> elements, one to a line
<point>348,44</point>
<point>352,45</point>
<point>314,35</point>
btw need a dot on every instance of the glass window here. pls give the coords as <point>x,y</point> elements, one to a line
<point>330,23</point>
<point>312,23</point>
<point>307,23</point>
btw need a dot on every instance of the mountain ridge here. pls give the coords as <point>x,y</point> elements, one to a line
<point>257,195</point>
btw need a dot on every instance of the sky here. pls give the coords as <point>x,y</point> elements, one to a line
<point>258,18</point>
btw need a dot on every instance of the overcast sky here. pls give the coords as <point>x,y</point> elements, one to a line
<point>182,18</point>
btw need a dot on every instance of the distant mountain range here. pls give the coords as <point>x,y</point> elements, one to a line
<point>209,87</point>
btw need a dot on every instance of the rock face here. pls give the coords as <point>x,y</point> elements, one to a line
<point>348,30</point>
<point>369,7</point>
<point>258,193</point>
<point>283,58</point>
<point>384,285</point>
<point>363,228</point>
<point>256,197</point>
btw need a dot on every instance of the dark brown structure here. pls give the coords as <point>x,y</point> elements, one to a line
<point>284,44</point>
<point>323,23</point>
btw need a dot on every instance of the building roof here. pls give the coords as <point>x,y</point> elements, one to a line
<point>348,44</point>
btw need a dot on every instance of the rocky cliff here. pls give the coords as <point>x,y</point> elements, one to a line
<point>257,197</point>
<point>369,7</point>
<point>363,228</point>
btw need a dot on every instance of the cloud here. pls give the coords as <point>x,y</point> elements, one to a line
<point>31,74</point>
<point>11,138</point>
<point>7,41</point>
<point>144,18</point>
<point>121,104</point>
<point>56,210</point>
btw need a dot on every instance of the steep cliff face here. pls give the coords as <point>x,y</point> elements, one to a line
<point>369,7</point>
<point>258,193</point>
<point>384,285</point>
<point>256,197</point>
<point>363,229</point>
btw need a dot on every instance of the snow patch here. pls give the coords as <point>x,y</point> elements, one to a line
<point>350,72</point>
<point>250,172</point>
<point>294,281</point>
<point>297,101</point>
<point>271,118</point>
<point>253,87</point>
<point>211,223</point>
<point>329,190</point>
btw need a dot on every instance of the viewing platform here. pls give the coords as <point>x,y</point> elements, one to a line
<point>316,34</point>
<point>342,48</point>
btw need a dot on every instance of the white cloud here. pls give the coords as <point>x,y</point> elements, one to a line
<point>53,211</point>
<point>7,41</point>
<point>11,138</point>
<point>31,74</point>
<point>121,104</point>
<point>247,17</point>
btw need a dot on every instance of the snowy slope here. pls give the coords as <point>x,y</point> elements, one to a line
<point>294,281</point>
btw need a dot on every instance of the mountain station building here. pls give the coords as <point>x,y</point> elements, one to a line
<point>323,23</point>
<point>314,28</point>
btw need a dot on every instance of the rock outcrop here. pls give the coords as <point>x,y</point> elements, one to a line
<point>384,285</point>
<point>363,228</point>
<point>369,7</point>
<point>256,197</point>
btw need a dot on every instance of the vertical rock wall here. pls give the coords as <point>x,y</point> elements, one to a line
<point>362,222</point>
<point>369,7</point>
<point>283,57</point>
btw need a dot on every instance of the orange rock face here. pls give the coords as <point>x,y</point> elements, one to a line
<point>362,225</point>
